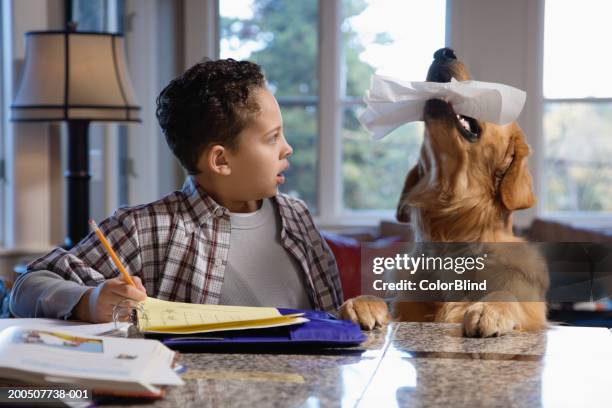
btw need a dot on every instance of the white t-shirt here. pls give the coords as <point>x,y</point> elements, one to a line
<point>260,272</point>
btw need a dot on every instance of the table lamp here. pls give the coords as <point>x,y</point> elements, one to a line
<point>75,77</point>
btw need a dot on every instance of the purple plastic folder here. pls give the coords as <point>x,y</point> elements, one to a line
<point>323,330</point>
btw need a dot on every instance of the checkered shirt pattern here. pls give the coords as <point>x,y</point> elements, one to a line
<point>179,245</point>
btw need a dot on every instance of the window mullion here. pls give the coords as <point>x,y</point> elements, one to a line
<point>329,165</point>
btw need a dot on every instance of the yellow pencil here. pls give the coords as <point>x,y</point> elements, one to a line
<point>113,255</point>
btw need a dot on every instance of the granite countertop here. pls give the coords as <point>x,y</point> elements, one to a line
<point>411,364</point>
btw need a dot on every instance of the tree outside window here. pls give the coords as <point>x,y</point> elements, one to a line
<point>577,107</point>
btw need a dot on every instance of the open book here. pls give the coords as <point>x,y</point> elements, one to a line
<point>106,365</point>
<point>160,316</point>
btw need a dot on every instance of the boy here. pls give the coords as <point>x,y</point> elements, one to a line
<point>228,237</point>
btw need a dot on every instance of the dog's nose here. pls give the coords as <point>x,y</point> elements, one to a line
<point>446,66</point>
<point>445,54</point>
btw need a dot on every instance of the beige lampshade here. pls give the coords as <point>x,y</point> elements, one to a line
<point>75,76</point>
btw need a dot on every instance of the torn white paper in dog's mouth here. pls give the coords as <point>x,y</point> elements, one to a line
<point>392,102</point>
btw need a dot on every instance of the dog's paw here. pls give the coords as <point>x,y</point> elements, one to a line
<point>487,320</point>
<point>367,311</point>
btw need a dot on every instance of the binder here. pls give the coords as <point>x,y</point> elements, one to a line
<point>321,331</point>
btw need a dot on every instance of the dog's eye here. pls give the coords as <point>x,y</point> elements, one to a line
<point>469,128</point>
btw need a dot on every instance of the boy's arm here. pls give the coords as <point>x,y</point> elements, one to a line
<point>86,265</point>
<point>45,294</point>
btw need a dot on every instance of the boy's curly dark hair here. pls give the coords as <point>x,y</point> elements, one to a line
<point>209,103</point>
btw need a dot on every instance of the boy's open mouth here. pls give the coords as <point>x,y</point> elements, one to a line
<point>280,177</point>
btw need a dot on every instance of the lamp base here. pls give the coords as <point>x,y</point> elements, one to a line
<point>77,182</point>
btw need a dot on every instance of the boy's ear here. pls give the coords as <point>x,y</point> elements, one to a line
<point>216,160</point>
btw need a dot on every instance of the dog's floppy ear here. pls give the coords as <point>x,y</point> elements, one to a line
<point>515,188</point>
<point>403,208</point>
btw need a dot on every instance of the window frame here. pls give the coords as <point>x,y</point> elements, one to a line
<point>602,219</point>
<point>595,219</point>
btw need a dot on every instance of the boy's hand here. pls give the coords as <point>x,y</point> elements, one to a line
<point>368,311</point>
<point>97,304</point>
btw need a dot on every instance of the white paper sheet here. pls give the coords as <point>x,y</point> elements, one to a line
<point>73,326</point>
<point>392,102</point>
<point>4,323</point>
<point>57,352</point>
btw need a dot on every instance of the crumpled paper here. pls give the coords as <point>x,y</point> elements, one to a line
<point>392,102</point>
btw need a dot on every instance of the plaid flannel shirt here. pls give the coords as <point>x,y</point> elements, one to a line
<point>179,245</point>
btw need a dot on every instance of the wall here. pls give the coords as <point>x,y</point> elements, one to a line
<point>154,42</point>
<point>29,212</point>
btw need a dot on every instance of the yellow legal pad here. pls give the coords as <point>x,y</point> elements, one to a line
<point>161,316</point>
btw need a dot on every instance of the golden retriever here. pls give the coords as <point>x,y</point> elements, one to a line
<point>470,177</point>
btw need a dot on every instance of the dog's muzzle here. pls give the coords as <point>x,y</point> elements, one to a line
<point>437,109</point>
<point>441,70</point>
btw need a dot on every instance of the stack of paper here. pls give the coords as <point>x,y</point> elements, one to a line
<point>130,367</point>
<point>160,316</point>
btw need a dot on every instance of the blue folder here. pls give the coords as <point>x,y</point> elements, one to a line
<point>323,330</point>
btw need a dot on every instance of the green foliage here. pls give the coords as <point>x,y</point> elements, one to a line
<point>357,72</point>
<point>577,174</point>
<point>288,33</point>
<point>374,171</point>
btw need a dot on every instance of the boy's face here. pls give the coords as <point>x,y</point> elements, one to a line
<point>261,155</point>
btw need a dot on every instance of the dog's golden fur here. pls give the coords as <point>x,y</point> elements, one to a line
<point>462,191</point>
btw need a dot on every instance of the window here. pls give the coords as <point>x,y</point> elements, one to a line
<point>375,40</point>
<point>91,15</point>
<point>577,119</point>
<point>283,36</point>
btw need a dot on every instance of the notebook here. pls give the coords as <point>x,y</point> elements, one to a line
<point>197,327</point>
<point>164,317</point>
<point>322,331</point>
